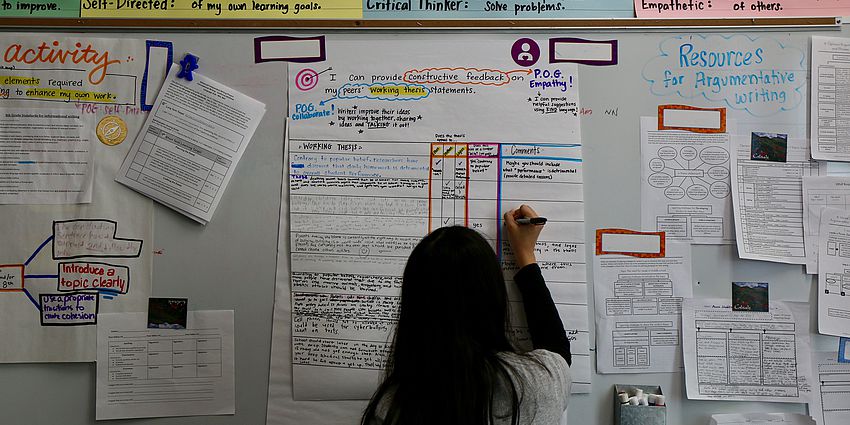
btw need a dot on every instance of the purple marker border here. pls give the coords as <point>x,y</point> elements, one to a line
<point>258,41</point>
<point>143,94</point>
<point>612,43</point>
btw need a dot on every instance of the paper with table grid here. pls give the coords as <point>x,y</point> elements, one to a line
<point>144,373</point>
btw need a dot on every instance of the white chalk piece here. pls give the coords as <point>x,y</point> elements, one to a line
<point>652,398</point>
<point>659,400</point>
<point>624,397</point>
<point>643,402</point>
<point>638,392</point>
<point>634,401</point>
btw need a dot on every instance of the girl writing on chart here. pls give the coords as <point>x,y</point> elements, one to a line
<point>452,362</point>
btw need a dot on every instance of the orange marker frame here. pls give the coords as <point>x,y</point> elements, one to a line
<point>662,243</point>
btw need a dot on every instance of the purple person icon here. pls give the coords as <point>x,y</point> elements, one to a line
<point>525,52</point>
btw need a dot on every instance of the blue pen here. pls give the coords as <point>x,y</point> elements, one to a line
<point>532,220</point>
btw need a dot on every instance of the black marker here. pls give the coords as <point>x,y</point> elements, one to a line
<point>532,220</point>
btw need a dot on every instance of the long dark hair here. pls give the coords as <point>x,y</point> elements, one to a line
<point>444,367</point>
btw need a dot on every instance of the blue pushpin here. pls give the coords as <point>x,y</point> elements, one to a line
<point>188,64</point>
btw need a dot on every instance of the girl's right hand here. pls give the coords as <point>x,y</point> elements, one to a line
<point>522,237</point>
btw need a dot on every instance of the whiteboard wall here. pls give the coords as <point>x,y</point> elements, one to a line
<point>231,263</point>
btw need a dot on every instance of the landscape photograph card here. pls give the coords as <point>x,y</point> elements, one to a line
<point>769,147</point>
<point>750,296</point>
<point>167,313</point>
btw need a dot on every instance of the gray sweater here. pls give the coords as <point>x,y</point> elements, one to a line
<point>543,389</point>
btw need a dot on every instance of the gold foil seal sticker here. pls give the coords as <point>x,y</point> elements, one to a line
<point>111,130</point>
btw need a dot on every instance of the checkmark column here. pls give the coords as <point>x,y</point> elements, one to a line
<point>436,186</point>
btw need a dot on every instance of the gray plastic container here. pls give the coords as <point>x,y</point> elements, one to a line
<point>638,415</point>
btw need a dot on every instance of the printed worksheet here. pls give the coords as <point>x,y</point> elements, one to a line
<point>834,273</point>
<point>639,310</point>
<point>146,373</point>
<point>47,156</point>
<point>685,184</point>
<point>746,355</point>
<point>830,403</point>
<point>830,121</point>
<point>767,196</point>
<point>818,193</point>
<point>190,144</point>
<point>381,152</point>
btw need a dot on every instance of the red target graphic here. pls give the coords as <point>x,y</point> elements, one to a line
<point>306,79</point>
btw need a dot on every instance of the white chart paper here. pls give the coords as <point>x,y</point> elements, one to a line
<point>190,144</point>
<point>52,256</point>
<point>830,121</point>
<point>358,261</point>
<point>834,273</point>
<point>685,184</point>
<point>745,355</point>
<point>392,138</point>
<point>830,403</point>
<point>639,310</point>
<point>146,373</point>
<point>818,193</point>
<point>47,155</point>
<point>768,202</point>
<point>760,419</point>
